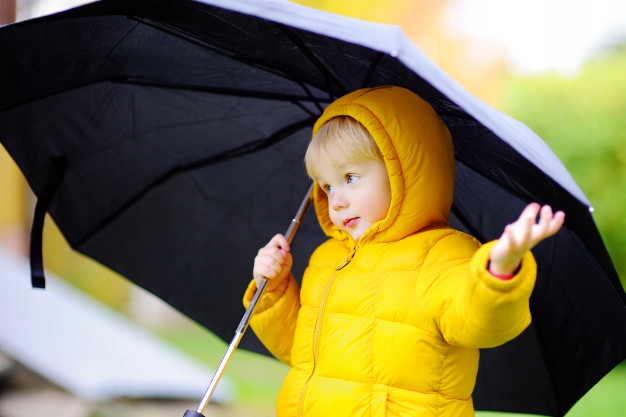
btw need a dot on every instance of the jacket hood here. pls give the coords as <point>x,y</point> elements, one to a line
<point>417,148</point>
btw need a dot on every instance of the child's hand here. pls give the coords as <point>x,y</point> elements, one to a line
<point>523,235</point>
<point>273,262</point>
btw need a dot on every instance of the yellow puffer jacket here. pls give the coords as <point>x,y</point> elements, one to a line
<point>390,325</point>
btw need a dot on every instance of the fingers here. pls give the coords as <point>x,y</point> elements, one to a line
<point>529,214</point>
<point>549,223</point>
<point>535,224</point>
<point>516,235</point>
<point>273,260</point>
<point>280,242</point>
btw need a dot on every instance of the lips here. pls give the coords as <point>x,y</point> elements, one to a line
<point>351,222</point>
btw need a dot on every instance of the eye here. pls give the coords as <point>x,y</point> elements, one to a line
<point>327,188</point>
<point>350,178</point>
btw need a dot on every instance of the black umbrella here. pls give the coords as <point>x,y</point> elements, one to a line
<point>165,138</point>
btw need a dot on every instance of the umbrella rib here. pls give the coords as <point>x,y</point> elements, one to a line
<point>311,98</point>
<point>371,69</point>
<point>248,148</point>
<point>122,39</point>
<point>328,77</point>
<point>227,91</point>
<point>176,32</point>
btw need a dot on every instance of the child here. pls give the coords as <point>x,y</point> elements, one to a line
<point>395,304</point>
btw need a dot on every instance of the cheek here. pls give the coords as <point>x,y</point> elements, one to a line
<point>380,210</point>
<point>334,217</point>
<point>380,207</point>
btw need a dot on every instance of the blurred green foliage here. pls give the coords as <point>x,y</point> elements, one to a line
<point>583,119</point>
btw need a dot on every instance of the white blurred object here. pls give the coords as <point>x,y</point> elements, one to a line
<point>89,349</point>
<point>541,35</point>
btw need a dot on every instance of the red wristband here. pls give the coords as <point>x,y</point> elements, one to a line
<point>504,277</point>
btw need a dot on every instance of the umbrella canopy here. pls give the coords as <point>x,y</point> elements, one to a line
<point>166,139</point>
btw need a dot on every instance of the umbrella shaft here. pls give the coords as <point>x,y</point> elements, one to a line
<point>245,320</point>
<point>295,222</point>
<point>219,372</point>
<point>241,329</point>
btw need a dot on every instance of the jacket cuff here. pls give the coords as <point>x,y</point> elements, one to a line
<point>268,298</point>
<point>525,274</point>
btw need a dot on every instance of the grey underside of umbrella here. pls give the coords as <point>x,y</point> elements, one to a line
<point>182,127</point>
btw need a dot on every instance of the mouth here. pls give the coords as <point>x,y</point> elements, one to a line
<point>350,222</point>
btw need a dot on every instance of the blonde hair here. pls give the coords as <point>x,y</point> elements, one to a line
<point>341,137</point>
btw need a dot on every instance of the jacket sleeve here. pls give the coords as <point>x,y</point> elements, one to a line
<point>275,315</point>
<point>473,308</point>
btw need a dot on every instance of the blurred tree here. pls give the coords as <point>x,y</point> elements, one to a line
<point>14,222</point>
<point>582,119</point>
<point>12,184</point>
<point>7,11</point>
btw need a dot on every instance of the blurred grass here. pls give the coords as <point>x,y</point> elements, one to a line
<point>259,378</point>
<point>607,398</point>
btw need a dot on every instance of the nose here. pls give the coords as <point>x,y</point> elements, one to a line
<point>338,200</point>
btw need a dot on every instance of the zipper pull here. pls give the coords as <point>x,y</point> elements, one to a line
<point>345,261</point>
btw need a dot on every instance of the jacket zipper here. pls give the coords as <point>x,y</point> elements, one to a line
<point>318,325</point>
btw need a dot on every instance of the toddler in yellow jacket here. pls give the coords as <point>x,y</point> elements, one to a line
<point>395,305</point>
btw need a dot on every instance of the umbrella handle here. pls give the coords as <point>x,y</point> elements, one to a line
<point>245,320</point>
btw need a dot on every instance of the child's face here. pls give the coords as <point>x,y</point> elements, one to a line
<point>359,194</point>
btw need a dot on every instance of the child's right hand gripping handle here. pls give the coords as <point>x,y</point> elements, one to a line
<point>272,263</point>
